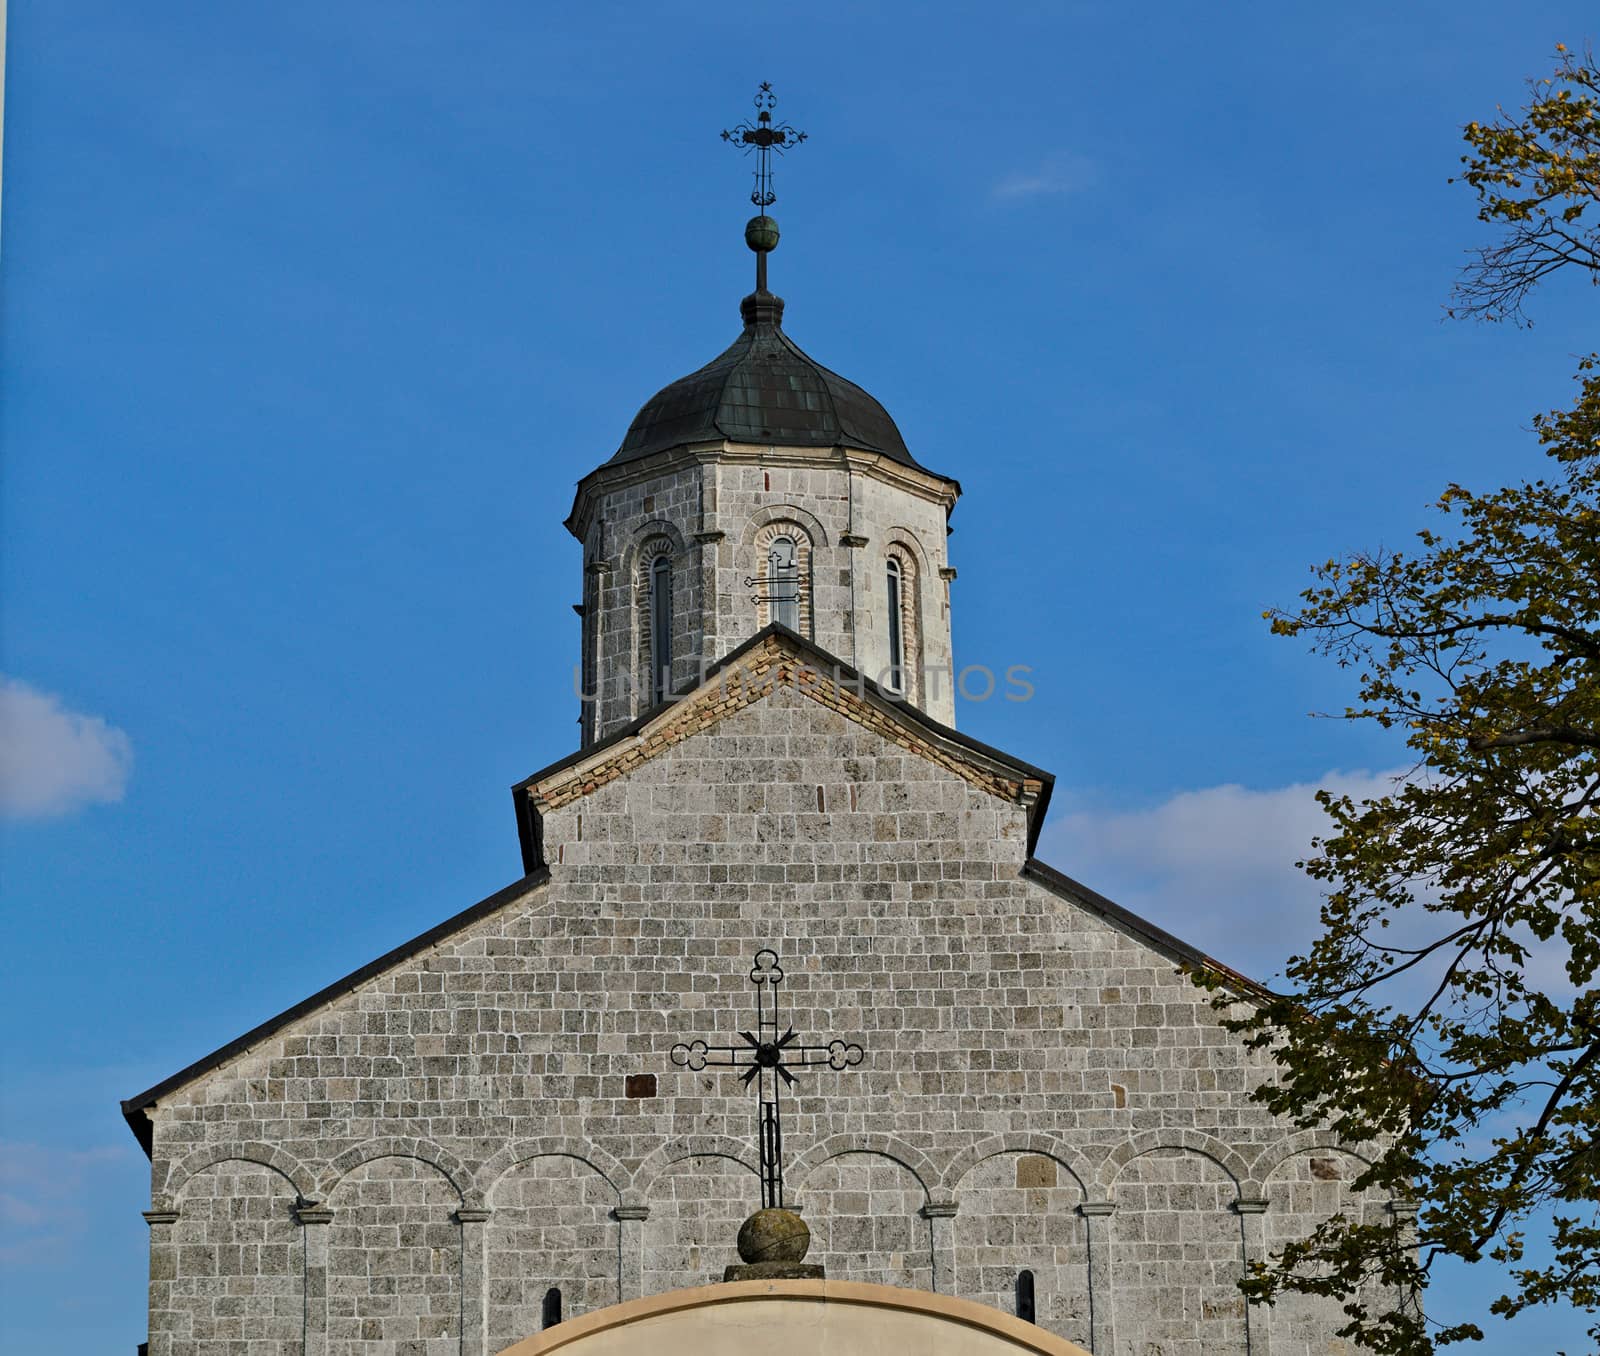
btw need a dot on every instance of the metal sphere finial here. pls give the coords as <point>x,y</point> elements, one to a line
<point>761,234</point>
<point>763,137</point>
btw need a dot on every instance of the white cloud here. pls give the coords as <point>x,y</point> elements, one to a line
<point>54,760</point>
<point>1214,866</point>
<point>1058,173</point>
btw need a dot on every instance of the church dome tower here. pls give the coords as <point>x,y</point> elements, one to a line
<point>761,489</point>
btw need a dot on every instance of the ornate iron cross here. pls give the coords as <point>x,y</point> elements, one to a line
<point>764,138</point>
<point>766,1058</point>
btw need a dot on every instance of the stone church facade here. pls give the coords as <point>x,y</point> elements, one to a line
<point>483,1127</point>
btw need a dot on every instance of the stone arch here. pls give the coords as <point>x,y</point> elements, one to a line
<point>608,1168</point>
<point>552,1223</point>
<point>908,540</point>
<point>690,1146</point>
<point>863,1199</point>
<point>1302,1141</point>
<point>642,536</point>
<point>395,1199</point>
<point>995,1145</point>
<point>699,1190</point>
<point>240,1280</point>
<point>1018,1212</point>
<point>285,1164</point>
<point>785,513</point>
<point>1195,1141</point>
<point>1177,1245</point>
<point>908,1156</point>
<point>436,1156</point>
<point>1308,1178</point>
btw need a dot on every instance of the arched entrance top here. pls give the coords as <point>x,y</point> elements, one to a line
<point>807,1318</point>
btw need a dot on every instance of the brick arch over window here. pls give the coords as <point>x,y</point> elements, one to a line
<point>555,1146</point>
<point>654,549</point>
<point>762,542</point>
<point>678,1150</point>
<point>1300,1142</point>
<point>901,561</point>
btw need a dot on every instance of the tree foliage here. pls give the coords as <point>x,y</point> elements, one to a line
<point>1538,179</point>
<point>1447,1015</point>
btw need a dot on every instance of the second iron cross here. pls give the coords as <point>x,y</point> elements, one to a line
<point>768,1061</point>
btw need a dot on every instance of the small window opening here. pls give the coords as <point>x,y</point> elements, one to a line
<point>1025,1309</point>
<point>783,582</point>
<point>660,629</point>
<point>897,679</point>
<point>552,1307</point>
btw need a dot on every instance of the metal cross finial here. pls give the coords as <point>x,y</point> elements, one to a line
<point>766,1057</point>
<point>764,138</point>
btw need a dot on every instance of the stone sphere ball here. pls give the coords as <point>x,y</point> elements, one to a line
<point>773,1236</point>
<point>761,234</point>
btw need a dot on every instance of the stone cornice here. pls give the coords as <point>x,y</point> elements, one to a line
<point>924,484</point>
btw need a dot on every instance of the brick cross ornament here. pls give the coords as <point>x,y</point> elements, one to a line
<point>768,1061</point>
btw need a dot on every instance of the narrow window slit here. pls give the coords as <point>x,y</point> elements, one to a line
<point>660,629</point>
<point>896,682</point>
<point>1025,1308</point>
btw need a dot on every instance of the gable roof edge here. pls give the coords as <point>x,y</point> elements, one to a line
<point>135,1109</point>
<point>1059,883</point>
<point>529,831</point>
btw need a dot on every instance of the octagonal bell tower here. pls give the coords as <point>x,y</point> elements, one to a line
<point>761,489</point>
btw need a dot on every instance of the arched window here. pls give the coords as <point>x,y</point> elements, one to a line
<point>904,676</point>
<point>780,575</point>
<point>783,582</point>
<point>1025,1309</point>
<point>589,696</point>
<point>660,629</point>
<point>896,680</point>
<point>552,1307</point>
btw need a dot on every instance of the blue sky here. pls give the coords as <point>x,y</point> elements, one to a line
<point>314,314</point>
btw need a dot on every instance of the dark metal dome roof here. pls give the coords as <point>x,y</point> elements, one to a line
<point>763,389</point>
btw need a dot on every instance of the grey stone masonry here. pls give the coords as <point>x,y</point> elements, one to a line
<point>712,511</point>
<point>409,1169</point>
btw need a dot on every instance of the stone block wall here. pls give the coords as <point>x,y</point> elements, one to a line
<point>710,513</point>
<point>1042,1089</point>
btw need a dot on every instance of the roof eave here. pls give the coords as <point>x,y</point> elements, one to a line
<point>1186,953</point>
<point>136,1109</point>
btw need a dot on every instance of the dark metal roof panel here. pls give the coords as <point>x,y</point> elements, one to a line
<point>763,389</point>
